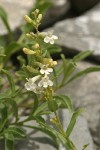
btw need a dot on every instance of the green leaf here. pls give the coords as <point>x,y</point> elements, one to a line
<point>11,49</point>
<point>43,5</point>
<point>10,79</point>
<point>9,141</point>
<point>84,72</point>
<point>3,96</point>
<point>52,49</point>
<point>41,108</point>
<point>81,56</point>
<point>52,105</point>
<point>4,116</point>
<point>4,18</point>
<point>85,146</point>
<point>14,107</point>
<point>21,60</point>
<point>17,132</point>
<point>68,66</point>
<point>44,130</point>
<point>73,121</point>
<point>36,104</point>
<point>64,101</point>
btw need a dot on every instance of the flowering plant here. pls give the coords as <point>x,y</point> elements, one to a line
<point>34,86</point>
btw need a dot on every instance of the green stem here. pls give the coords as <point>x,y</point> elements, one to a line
<point>61,130</point>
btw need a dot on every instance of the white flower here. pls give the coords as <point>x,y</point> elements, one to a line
<point>50,38</point>
<point>31,85</point>
<point>45,70</point>
<point>45,82</point>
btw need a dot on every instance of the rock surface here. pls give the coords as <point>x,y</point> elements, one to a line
<point>82,5</point>
<point>15,10</point>
<point>81,33</point>
<point>55,13</point>
<point>85,93</point>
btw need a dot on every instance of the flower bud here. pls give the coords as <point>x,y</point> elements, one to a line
<point>32,34</point>
<point>29,35</point>
<point>36,46</point>
<point>39,18</point>
<point>50,62</point>
<point>35,12</point>
<point>28,51</point>
<point>53,120</point>
<point>28,19</point>
<point>32,70</point>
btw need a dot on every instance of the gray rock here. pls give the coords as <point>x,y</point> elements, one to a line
<point>85,93</point>
<point>81,33</point>
<point>15,11</point>
<point>83,5</point>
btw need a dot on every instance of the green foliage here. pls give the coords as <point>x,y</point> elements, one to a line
<point>10,79</point>
<point>9,141</point>
<point>64,101</point>
<point>52,105</point>
<point>4,18</point>
<point>73,121</point>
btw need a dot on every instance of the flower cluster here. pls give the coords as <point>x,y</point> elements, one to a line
<point>37,83</point>
<point>40,82</point>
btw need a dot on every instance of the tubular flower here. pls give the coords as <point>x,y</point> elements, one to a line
<point>45,70</point>
<point>45,82</point>
<point>50,38</point>
<point>31,85</point>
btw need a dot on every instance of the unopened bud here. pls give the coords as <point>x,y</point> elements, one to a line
<point>39,18</point>
<point>53,120</point>
<point>35,12</point>
<point>29,35</point>
<point>28,19</point>
<point>31,69</point>
<point>50,62</point>
<point>28,51</point>
<point>36,46</point>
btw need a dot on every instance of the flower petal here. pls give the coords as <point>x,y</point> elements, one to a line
<point>35,78</point>
<point>50,70</point>
<point>46,39</point>
<point>51,41</point>
<point>42,71</point>
<point>54,37</point>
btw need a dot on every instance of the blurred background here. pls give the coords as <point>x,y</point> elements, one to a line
<point>77,23</point>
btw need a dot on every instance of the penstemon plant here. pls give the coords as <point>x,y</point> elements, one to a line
<point>34,87</point>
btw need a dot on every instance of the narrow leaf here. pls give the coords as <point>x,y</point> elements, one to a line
<point>10,79</point>
<point>84,72</point>
<point>14,107</point>
<point>73,121</point>
<point>85,146</point>
<point>4,116</point>
<point>4,18</point>
<point>81,56</point>
<point>36,103</point>
<point>41,108</point>
<point>64,101</point>
<point>12,48</point>
<point>9,141</point>
<point>17,132</point>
